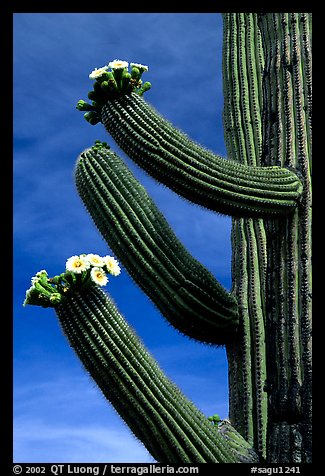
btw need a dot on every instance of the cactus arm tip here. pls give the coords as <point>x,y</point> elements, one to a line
<point>110,82</point>
<point>82,271</point>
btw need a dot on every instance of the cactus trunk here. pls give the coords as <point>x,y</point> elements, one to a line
<point>287,142</point>
<point>242,71</point>
<point>267,119</point>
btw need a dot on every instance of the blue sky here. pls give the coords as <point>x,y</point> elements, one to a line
<point>59,414</point>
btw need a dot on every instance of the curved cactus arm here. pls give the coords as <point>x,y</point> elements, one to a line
<point>190,170</point>
<point>184,291</point>
<point>170,426</point>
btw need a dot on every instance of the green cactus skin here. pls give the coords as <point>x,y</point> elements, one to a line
<point>192,171</point>
<point>267,121</point>
<point>287,141</point>
<point>185,292</point>
<point>170,426</point>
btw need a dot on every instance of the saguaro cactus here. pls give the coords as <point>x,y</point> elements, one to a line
<point>265,185</point>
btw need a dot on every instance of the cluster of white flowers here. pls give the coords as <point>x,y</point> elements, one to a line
<point>114,65</point>
<point>98,266</point>
<point>81,270</point>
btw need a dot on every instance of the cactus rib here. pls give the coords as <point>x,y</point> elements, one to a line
<point>185,291</point>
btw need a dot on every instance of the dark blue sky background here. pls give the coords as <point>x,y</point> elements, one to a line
<point>60,415</point>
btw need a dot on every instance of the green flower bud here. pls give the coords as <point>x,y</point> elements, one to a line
<point>92,95</point>
<point>215,419</point>
<point>126,77</point>
<point>55,298</point>
<point>100,145</point>
<point>145,87</point>
<point>84,106</point>
<point>105,86</point>
<point>135,73</point>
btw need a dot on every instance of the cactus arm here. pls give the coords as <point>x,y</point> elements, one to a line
<point>170,426</point>
<point>165,413</point>
<point>187,294</point>
<point>242,71</point>
<point>183,165</point>
<point>287,84</point>
<point>193,172</point>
